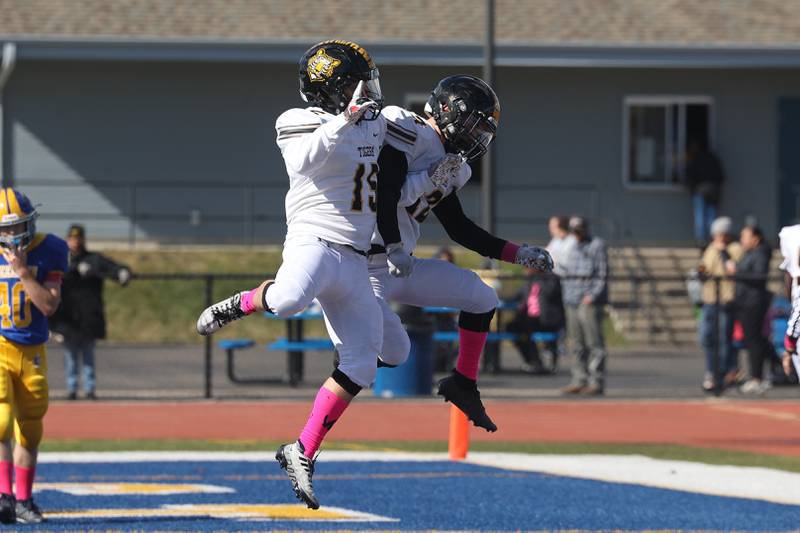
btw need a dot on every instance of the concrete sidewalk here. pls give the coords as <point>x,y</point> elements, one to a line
<point>176,371</point>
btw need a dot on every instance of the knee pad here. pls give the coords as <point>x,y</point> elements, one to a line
<point>396,347</point>
<point>28,433</point>
<point>479,297</point>
<point>485,297</point>
<point>345,382</point>
<point>360,371</point>
<point>286,299</point>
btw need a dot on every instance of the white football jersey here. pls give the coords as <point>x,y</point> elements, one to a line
<point>333,173</point>
<point>411,133</point>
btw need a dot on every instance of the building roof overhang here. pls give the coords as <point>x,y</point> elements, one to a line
<point>386,53</point>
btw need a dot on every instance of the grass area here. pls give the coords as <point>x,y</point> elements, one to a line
<point>657,451</point>
<point>165,311</point>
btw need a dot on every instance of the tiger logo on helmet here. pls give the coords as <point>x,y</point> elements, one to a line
<point>17,219</point>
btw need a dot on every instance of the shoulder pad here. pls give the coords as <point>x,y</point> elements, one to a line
<point>402,125</point>
<point>296,122</point>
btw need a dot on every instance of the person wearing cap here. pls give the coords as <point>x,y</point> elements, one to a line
<point>80,319</point>
<point>718,258</point>
<point>585,286</point>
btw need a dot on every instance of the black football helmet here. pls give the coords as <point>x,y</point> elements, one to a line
<point>330,71</point>
<point>467,112</point>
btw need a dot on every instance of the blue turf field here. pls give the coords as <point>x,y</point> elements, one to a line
<point>405,495</point>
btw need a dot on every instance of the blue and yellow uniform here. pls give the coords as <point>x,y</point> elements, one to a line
<point>23,327</point>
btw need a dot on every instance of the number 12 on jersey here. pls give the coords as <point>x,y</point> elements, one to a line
<point>358,187</point>
<point>15,306</point>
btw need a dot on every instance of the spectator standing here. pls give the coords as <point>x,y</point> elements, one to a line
<point>714,263</point>
<point>704,178</point>
<point>541,309</point>
<point>585,294</point>
<point>560,241</point>
<point>81,317</point>
<point>751,303</point>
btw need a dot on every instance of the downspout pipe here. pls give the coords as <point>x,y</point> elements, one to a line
<point>8,63</point>
<point>6,68</point>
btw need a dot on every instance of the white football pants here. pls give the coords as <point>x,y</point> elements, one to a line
<point>337,277</point>
<point>432,282</point>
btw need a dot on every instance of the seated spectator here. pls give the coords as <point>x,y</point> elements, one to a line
<point>540,309</point>
<point>717,255</point>
<point>751,303</point>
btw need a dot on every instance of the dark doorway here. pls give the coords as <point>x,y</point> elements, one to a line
<point>788,161</point>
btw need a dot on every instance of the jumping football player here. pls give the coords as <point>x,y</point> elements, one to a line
<point>463,115</point>
<point>31,268</point>
<point>332,155</point>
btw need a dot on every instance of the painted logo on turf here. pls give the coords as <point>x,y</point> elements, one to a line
<point>129,489</point>
<point>230,511</point>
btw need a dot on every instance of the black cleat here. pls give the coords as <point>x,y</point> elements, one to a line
<point>300,470</point>
<point>8,513</point>
<point>28,512</point>
<point>464,394</point>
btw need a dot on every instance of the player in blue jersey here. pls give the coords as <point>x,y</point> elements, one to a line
<point>31,268</point>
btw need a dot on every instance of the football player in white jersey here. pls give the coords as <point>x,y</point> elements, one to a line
<point>463,114</point>
<point>331,151</point>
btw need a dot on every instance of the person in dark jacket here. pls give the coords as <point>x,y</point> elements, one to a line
<point>81,317</point>
<point>541,309</point>
<point>751,302</point>
<point>704,178</point>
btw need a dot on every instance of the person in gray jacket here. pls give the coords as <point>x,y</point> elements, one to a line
<point>585,286</point>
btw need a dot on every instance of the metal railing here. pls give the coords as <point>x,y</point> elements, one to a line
<point>634,303</point>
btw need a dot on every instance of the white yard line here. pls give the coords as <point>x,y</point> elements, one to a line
<point>719,480</point>
<point>753,483</point>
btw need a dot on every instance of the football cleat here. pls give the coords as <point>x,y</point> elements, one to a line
<point>300,469</point>
<point>7,509</point>
<point>220,314</point>
<point>28,512</point>
<point>468,399</point>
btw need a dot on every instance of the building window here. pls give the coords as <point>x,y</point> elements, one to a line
<point>416,104</point>
<point>657,130</point>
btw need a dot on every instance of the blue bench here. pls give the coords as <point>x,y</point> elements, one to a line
<point>491,359</point>
<point>230,346</point>
<point>313,344</point>
<point>536,336</point>
<point>236,344</point>
<point>295,350</point>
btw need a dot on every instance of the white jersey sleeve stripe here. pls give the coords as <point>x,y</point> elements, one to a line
<point>295,133</point>
<point>410,133</point>
<point>298,127</point>
<point>401,133</point>
<point>399,139</point>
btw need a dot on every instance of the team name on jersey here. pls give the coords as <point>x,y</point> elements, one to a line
<point>366,151</point>
<point>7,272</point>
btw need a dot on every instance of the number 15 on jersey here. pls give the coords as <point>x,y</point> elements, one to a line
<point>371,178</point>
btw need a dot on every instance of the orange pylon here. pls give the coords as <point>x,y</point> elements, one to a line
<point>458,444</point>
